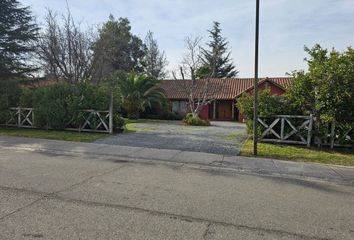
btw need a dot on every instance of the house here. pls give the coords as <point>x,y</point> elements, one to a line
<point>225,94</point>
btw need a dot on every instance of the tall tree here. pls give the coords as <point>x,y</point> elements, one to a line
<point>327,88</point>
<point>154,60</point>
<point>117,49</point>
<point>17,31</point>
<point>216,60</point>
<point>200,92</point>
<point>64,49</point>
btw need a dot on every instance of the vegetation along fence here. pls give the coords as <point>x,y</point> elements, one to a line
<point>91,121</point>
<point>338,134</point>
<point>293,129</point>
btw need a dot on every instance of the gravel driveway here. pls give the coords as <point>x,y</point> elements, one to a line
<point>220,138</point>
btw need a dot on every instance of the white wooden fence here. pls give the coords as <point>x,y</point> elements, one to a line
<point>292,129</point>
<point>21,117</point>
<point>286,129</point>
<point>92,121</point>
<point>339,134</point>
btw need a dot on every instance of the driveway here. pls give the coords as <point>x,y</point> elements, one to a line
<point>220,138</point>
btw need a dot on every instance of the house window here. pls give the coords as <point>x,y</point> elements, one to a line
<point>179,106</point>
<point>183,106</point>
<point>175,106</point>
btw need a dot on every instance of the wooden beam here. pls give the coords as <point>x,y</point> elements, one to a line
<point>233,110</point>
<point>214,109</point>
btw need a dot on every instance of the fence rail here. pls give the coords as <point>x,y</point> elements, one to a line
<point>286,129</point>
<point>339,134</point>
<point>92,120</point>
<point>294,129</point>
<point>21,117</point>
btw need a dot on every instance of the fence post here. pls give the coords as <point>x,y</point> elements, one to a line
<point>19,116</point>
<point>309,134</point>
<point>111,114</point>
<point>282,128</point>
<point>33,118</point>
<point>333,126</point>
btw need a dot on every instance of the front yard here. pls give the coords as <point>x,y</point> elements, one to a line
<point>222,138</point>
<point>299,154</point>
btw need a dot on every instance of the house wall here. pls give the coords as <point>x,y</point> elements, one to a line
<point>204,113</point>
<point>207,111</point>
<point>223,106</point>
<point>180,106</point>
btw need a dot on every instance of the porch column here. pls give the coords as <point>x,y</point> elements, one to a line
<point>214,109</point>
<point>233,110</point>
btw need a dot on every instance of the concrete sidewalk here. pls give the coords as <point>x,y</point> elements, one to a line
<point>192,159</point>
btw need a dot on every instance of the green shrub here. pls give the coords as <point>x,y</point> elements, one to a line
<point>9,97</point>
<point>118,122</point>
<point>60,105</point>
<point>27,97</point>
<point>191,120</point>
<point>171,116</point>
<point>56,105</point>
<point>163,116</point>
<point>268,105</point>
<point>188,116</point>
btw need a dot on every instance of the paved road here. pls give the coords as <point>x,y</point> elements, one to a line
<point>58,194</point>
<point>220,138</point>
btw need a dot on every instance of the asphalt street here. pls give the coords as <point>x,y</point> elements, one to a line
<point>66,195</point>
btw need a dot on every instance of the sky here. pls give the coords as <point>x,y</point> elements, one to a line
<point>286,26</point>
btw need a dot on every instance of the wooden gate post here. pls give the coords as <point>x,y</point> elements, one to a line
<point>309,134</point>
<point>333,126</point>
<point>111,114</point>
<point>19,117</point>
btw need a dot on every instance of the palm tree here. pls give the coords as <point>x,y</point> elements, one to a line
<point>139,91</point>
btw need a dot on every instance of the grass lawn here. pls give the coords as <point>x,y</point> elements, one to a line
<point>130,125</point>
<point>299,154</point>
<point>52,134</point>
<point>131,128</point>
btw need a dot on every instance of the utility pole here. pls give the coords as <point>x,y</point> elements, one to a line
<point>111,113</point>
<point>255,84</point>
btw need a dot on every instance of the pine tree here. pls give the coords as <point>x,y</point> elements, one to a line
<point>117,49</point>
<point>216,59</point>
<point>154,60</point>
<point>17,32</point>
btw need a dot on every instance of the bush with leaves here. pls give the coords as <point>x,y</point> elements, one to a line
<point>327,88</point>
<point>26,97</point>
<point>118,122</point>
<point>268,105</point>
<point>55,106</point>
<point>9,97</point>
<point>191,120</point>
<point>60,105</point>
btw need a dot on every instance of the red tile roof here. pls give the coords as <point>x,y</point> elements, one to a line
<point>227,88</point>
